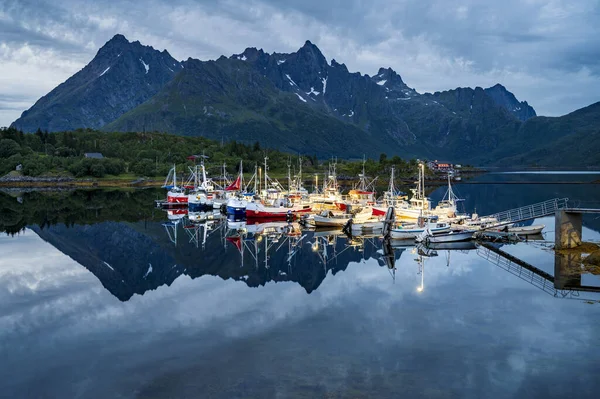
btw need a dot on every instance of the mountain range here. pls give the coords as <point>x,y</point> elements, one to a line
<point>300,102</point>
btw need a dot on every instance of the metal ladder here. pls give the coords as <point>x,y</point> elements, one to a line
<point>528,212</point>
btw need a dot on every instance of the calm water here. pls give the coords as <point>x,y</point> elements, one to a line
<point>104,296</point>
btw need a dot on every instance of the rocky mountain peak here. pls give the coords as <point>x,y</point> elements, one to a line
<point>251,54</point>
<point>335,64</point>
<point>121,76</point>
<point>504,98</point>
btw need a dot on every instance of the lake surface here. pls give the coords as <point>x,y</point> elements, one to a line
<point>104,296</point>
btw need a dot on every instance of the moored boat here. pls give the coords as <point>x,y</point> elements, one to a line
<point>176,194</point>
<point>259,210</point>
<point>524,230</point>
<point>451,236</point>
<point>338,219</point>
<point>413,230</point>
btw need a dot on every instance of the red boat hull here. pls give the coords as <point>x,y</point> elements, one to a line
<point>379,211</point>
<point>177,199</point>
<point>273,215</point>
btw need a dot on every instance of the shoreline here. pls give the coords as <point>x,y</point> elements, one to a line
<point>45,182</point>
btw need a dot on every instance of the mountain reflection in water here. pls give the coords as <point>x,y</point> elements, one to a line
<point>194,306</point>
<point>133,257</point>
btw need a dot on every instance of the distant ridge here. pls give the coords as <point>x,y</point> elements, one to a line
<point>297,102</point>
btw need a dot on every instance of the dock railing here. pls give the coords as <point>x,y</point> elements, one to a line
<point>528,212</point>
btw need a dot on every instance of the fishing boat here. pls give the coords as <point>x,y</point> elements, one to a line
<point>296,192</point>
<point>176,194</point>
<point>367,226</point>
<point>523,230</point>
<point>447,207</point>
<point>413,230</point>
<point>361,195</point>
<point>236,205</point>
<point>337,219</point>
<point>280,209</point>
<point>330,193</point>
<point>419,204</point>
<point>202,193</point>
<point>391,198</point>
<point>450,236</point>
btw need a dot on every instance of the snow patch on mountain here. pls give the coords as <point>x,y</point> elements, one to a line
<point>382,82</point>
<point>109,266</point>
<point>313,91</point>
<point>279,62</point>
<point>324,80</point>
<point>292,83</point>
<point>146,66</point>
<point>106,70</point>
<point>149,270</point>
<point>300,97</point>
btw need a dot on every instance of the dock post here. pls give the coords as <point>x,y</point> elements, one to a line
<point>567,231</point>
<point>567,270</point>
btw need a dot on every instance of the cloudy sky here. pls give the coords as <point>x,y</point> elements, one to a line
<point>546,52</point>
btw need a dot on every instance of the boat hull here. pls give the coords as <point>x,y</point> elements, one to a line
<point>323,221</point>
<point>452,236</point>
<point>198,207</point>
<point>527,230</point>
<point>254,210</point>
<point>367,226</point>
<point>177,198</point>
<point>404,234</point>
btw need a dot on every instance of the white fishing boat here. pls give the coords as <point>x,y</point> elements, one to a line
<point>451,236</point>
<point>361,195</point>
<point>524,230</point>
<point>330,194</point>
<point>202,193</point>
<point>176,194</point>
<point>296,193</point>
<point>391,198</point>
<point>419,204</point>
<point>447,207</point>
<point>413,230</point>
<point>367,226</point>
<point>338,219</point>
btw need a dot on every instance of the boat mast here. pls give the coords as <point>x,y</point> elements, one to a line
<point>289,176</point>
<point>241,176</point>
<point>266,187</point>
<point>363,182</point>
<point>204,182</point>
<point>423,182</point>
<point>174,176</point>
<point>391,188</point>
<point>299,183</point>
<point>255,178</point>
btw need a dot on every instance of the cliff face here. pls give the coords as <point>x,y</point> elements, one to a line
<point>507,100</point>
<point>121,76</point>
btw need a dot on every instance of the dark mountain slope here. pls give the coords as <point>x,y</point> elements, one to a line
<point>570,140</point>
<point>121,76</point>
<point>508,101</point>
<point>227,98</point>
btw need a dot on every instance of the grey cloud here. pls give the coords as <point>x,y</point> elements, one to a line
<point>434,45</point>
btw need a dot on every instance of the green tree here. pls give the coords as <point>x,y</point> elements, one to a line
<point>9,147</point>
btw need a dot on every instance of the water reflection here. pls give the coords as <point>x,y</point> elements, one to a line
<point>382,318</point>
<point>134,257</point>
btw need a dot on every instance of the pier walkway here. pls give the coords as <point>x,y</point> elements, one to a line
<point>528,212</point>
